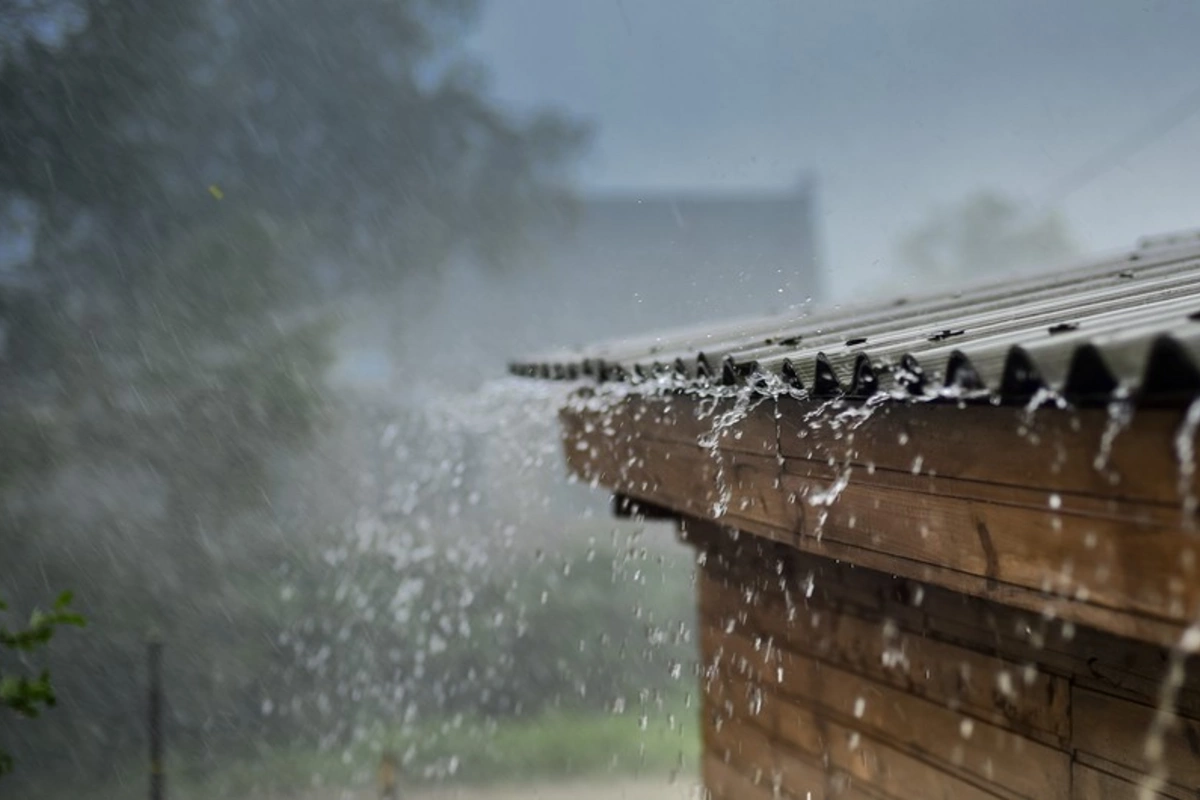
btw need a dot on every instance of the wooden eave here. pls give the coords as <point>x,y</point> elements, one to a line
<point>1064,512</point>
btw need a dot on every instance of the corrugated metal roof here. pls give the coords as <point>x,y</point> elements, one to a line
<point>1129,322</point>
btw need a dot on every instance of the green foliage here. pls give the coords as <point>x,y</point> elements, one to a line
<point>41,625</point>
<point>522,751</point>
<point>199,418</point>
<point>21,694</point>
<point>192,165</point>
<point>593,679</point>
<point>554,745</point>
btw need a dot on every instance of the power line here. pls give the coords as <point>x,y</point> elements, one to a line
<point>1107,160</point>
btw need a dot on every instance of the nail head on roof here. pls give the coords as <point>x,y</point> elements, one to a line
<point>1063,327</point>
<point>856,341</point>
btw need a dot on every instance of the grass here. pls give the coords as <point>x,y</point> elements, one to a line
<point>560,745</point>
<point>550,747</point>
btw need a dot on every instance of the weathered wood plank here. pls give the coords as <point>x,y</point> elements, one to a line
<point>830,653</point>
<point>860,758</point>
<point>804,779</point>
<point>1116,730</point>
<point>739,727</point>
<point>957,743</point>
<point>953,676</point>
<point>1053,450</point>
<point>725,782</point>
<point>1095,777</point>
<point>1092,784</point>
<point>1137,626</point>
<point>1050,450</point>
<point>737,742</point>
<point>1098,571</point>
<point>929,616</point>
<point>683,420</point>
<point>765,762</point>
<point>1119,564</point>
<point>868,760</point>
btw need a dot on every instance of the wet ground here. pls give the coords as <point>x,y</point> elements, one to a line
<point>589,790</point>
<point>594,789</point>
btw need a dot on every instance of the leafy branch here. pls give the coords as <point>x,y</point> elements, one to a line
<point>24,695</point>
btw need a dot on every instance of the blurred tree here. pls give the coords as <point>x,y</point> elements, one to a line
<point>987,234</point>
<point>365,116</point>
<point>186,160</point>
<point>19,693</point>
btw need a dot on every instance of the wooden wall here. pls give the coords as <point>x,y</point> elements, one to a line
<point>986,501</point>
<point>821,679</point>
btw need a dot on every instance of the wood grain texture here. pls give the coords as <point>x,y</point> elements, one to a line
<point>1116,730</point>
<point>1090,783</point>
<point>869,760</point>
<point>884,684</point>
<point>1122,563</point>
<point>949,675</point>
<point>1048,450</point>
<point>1095,777</point>
<point>952,741</point>
<point>925,601</point>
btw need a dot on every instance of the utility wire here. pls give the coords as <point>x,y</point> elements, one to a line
<point>1107,160</point>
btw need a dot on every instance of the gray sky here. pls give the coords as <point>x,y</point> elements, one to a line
<point>897,105</point>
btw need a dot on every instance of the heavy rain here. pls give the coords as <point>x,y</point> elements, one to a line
<point>483,399</point>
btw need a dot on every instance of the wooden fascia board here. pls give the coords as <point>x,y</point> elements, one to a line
<point>989,501</point>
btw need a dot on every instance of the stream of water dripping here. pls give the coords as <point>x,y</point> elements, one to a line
<point>1120,415</point>
<point>710,442</point>
<point>1165,715</point>
<point>1185,453</point>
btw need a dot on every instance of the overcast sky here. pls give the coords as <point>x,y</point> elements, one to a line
<point>897,105</point>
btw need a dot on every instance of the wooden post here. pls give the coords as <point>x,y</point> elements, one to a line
<point>388,777</point>
<point>154,648</point>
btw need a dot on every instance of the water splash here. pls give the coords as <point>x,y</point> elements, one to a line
<point>1043,397</point>
<point>746,399</point>
<point>1120,415</point>
<point>824,499</point>
<point>1165,714</point>
<point>1185,453</point>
